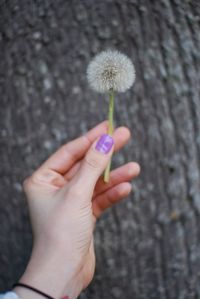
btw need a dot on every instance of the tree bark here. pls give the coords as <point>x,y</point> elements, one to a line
<point>149,245</point>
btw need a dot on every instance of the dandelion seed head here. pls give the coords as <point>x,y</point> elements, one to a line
<point>110,70</point>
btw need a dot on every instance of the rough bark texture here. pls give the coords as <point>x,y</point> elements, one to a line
<point>149,245</point>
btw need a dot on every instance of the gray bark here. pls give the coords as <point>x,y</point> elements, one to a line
<point>149,245</point>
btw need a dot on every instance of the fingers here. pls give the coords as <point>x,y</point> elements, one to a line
<point>110,197</point>
<point>93,164</point>
<point>121,136</point>
<point>122,174</point>
<point>74,150</point>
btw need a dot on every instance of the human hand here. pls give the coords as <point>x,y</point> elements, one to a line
<point>65,196</point>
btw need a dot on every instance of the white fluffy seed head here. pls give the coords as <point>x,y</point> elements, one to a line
<point>110,70</point>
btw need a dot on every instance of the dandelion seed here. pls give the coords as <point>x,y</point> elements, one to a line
<point>110,71</point>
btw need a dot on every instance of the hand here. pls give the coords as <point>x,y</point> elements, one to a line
<point>65,196</point>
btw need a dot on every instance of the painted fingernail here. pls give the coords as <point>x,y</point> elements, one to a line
<point>104,144</point>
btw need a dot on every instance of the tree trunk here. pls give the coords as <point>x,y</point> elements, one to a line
<point>149,245</point>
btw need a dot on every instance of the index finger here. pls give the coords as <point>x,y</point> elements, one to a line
<point>74,150</point>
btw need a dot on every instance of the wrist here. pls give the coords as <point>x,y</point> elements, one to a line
<point>51,275</point>
<point>25,293</point>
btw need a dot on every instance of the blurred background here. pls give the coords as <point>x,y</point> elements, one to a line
<point>149,245</point>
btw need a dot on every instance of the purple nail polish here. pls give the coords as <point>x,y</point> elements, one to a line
<point>104,144</point>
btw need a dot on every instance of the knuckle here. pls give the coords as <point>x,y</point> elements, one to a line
<point>26,184</point>
<point>29,182</point>
<point>93,161</point>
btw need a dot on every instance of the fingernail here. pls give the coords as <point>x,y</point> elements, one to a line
<point>104,144</point>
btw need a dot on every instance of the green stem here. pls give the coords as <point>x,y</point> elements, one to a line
<point>110,132</point>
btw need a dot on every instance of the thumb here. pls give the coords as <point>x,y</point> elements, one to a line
<point>94,163</point>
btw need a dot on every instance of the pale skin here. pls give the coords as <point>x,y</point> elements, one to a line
<point>66,195</point>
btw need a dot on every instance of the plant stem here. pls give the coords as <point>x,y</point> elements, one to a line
<point>110,131</point>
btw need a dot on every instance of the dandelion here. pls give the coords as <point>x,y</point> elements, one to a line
<point>109,72</point>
